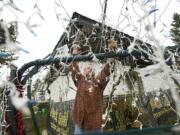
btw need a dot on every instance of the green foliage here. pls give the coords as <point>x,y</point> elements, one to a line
<point>175,30</point>
<point>13,32</point>
<point>35,108</point>
<point>42,105</point>
<point>2,35</point>
<point>42,123</point>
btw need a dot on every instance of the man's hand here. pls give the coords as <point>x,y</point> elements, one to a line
<point>76,49</point>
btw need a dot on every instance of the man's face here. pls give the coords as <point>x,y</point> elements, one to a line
<point>88,70</point>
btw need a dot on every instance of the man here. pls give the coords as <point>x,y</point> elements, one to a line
<point>88,106</point>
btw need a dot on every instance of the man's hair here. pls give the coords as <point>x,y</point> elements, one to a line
<point>82,65</point>
<point>96,68</point>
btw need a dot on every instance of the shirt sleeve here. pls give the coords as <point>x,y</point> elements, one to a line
<point>78,110</point>
<point>103,77</point>
<point>76,74</point>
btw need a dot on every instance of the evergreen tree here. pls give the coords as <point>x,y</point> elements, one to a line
<point>12,29</point>
<point>12,32</point>
<point>175,30</point>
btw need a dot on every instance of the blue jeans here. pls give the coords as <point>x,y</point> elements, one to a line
<point>79,131</point>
